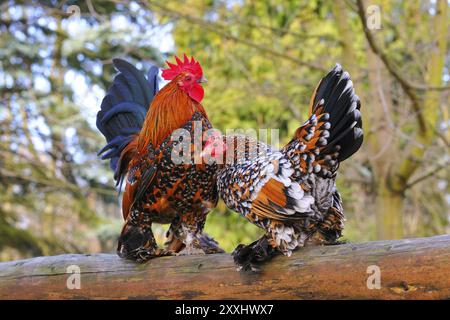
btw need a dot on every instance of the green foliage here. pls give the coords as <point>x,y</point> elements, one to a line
<point>52,184</point>
<point>263,60</point>
<point>230,229</point>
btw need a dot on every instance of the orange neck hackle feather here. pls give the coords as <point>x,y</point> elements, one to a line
<point>171,109</point>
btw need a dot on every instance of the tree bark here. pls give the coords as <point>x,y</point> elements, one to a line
<point>409,269</point>
<point>346,37</point>
<point>389,211</point>
<point>387,204</point>
<point>394,181</point>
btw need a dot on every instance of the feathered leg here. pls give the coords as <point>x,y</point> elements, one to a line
<point>330,228</point>
<point>188,233</point>
<point>187,229</point>
<point>247,257</point>
<point>279,238</point>
<point>185,235</point>
<point>173,243</point>
<point>137,242</point>
<point>207,243</point>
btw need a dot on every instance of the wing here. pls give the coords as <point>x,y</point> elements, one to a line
<point>141,178</point>
<point>280,202</point>
<point>265,188</point>
<point>280,197</point>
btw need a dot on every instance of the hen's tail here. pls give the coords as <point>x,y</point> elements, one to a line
<point>123,110</point>
<point>333,131</point>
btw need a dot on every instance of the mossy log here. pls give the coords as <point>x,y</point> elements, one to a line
<point>409,269</point>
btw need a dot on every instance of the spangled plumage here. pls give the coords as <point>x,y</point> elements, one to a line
<point>260,185</point>
<point>291,193</point>
<point>137,122</point>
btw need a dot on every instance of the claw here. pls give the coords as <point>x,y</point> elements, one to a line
<point>209,245</point>
<point>249,257</point>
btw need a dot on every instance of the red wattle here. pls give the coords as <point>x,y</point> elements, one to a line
<point>197,93</point>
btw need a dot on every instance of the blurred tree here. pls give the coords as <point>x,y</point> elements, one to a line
<point>248,50</point>
<point>409,125</point>
<point>53,67</point>
<point>263,60</point>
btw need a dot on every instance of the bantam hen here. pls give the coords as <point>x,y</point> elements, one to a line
<point>138,121</point>
<point>291,193</point>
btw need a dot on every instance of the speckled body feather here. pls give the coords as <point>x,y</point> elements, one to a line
<point>138,122</point>
<point>291,193</point>
<point>180,194</point>
<point>289,204</point>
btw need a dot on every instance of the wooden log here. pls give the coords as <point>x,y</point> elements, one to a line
<point>410,269</point>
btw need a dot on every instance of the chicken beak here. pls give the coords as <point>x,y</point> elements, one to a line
<point>202,80</point>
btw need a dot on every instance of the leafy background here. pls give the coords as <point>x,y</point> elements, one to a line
<point>263,60</point>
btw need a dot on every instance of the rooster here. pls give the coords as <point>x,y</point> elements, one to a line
<point>137,121</point>
<point>291,193</point>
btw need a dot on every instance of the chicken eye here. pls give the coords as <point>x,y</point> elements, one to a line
<point>188,78</point>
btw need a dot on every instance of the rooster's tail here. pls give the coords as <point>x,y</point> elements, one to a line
<point>123,111</point>
<point>334,130</point>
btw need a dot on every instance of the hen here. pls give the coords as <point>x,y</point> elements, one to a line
<point>138,122</point>
<point>291,193</point>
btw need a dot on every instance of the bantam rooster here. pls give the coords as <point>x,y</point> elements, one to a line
<point>291,193</point>
<point>137,122</point>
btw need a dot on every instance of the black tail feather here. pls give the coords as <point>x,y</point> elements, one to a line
<point>124,107</point>
<point>343,106</point>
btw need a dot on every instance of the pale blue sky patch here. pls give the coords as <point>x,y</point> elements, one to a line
<point>41,84</point>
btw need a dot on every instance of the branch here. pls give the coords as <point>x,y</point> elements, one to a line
<point>220,30</point>
<point>392,69</point>
<point>430,174</point>
<point>57,184</point>
<point>410,269</point>
<point>407,87</point>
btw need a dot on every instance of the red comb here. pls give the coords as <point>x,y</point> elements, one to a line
<point>191,66</point>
